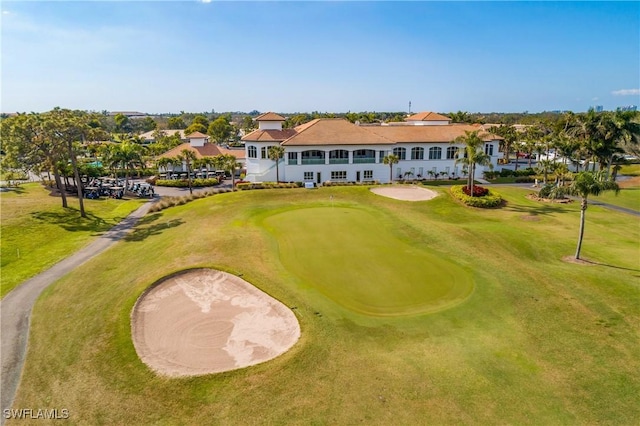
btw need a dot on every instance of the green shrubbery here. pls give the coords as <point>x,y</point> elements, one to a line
<point>184,183</point>
<point>351,183</point>
<point>488,201</point>
<point>244,186</point>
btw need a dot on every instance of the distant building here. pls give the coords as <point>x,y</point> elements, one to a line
<point>628,108</point>
<point>598,108</point>
<point>130,114</point>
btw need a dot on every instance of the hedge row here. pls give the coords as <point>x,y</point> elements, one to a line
<point>488,201</point>
<point>350,183</point>
<point>244,186</point>
<point>184,183</point>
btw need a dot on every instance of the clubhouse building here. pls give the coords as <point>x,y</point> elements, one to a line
<point>332,149</point>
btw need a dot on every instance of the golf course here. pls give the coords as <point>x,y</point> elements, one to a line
<point>424,312</point>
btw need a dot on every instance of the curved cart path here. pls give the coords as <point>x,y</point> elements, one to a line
<point>15,307</point>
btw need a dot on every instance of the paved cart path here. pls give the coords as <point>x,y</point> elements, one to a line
<point>15,307</point>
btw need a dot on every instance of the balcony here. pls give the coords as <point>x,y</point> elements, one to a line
<point>338,161</point>
<point>363,160</point>
<point>308,161</point>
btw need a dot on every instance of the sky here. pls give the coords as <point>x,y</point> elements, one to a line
<point>199,56</point>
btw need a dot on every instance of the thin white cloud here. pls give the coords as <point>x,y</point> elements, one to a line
<point>6,12</point>
<point>205,1</point>
<point>595,99</point>
<point>626,92</point>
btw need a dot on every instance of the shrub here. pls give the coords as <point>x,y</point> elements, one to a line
<point>489,200</point>
<point>525,179</point>
<point>478,191</point>
<point>244,186</point>
<point>184,183</point>
<point>552,192</point>
<point>491,175</point>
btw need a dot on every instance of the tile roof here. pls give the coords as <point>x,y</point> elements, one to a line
<point>208,150</point>
<point>270,116</point>
<point>427,116</point>
<point>269,135</point>
<point>197,135</point>
<point>418,134</point>
<point>334,131</point>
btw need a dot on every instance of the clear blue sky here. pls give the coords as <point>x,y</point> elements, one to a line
<point>195,56</point>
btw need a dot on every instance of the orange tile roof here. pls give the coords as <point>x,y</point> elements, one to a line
<point>269,135</point>
<point>208,150</point>
<point>270,116</point>
<point>197,135</point>
<point>427,116</point>
<point>417,134</point>
<point>334,131</point>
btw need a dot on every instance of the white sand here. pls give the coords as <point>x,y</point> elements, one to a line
<point>405,192</point>
<point>206,321</point>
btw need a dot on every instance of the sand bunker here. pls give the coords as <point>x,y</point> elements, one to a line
<point>405,192</point>
<point>205,321</point>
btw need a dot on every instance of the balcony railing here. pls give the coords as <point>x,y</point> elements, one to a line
<point>338,161</point>
<point>362,160</point>
<point>313,161</point>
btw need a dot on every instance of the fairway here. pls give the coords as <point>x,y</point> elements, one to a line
<point>353,257</point>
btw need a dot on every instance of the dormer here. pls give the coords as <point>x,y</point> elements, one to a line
<point>427,119</point>
<point>197,139</point>
<point>270,121</point>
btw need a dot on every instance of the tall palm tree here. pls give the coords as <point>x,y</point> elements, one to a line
<point>188,157</point>
<point>585,184</point>
<point>275,153</point>
<point>127,155</point>
<point>228,163</point>
<point>164,162</point>
<point>391,159</point>
<point>472,154</point>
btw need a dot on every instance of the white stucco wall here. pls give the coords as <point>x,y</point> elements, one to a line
<point>270,125</point>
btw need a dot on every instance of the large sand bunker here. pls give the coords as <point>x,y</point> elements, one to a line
<point>405,192</point>
<point>205,321</point>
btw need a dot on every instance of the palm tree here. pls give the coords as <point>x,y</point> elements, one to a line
<point>391,159</point>
<point>275,153</point>
<point>126,154</point>
<point>188,157</point>
<point>228,163</point>
<point>164,162</point>
<point>585,184</point>
<point>472,154</point>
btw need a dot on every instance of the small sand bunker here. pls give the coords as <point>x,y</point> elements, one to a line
<point>405,192</point>
<point>205,321</point>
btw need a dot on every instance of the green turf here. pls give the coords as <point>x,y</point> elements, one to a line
<point>37,232</point>
<point>627,197</point>
<point>539,340</point>
<point>356,257</point>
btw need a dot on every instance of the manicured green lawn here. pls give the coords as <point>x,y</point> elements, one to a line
<point>538,341</point>
<point>627,197</point>
<point>37,232</point>
<point>630,170</point>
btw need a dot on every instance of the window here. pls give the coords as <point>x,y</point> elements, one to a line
<point>401,153</point>
<point>293,158</point>
<point>382,156</point>
<point>252,152</point>
<point>435,153</point>
<point>308,175</point>
<point>417,153</point>
<point>364,156</point>
<point>264,152</point>
<point>339,156</point>
<point>368,174</point>
<point>488,148</point>
<point>339,175</point>
<point>452,153</point>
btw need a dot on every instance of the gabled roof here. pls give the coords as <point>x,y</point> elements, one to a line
<point>417,134</point>
<point>270,116</point>
<point>334,131</point>
<point>208,150</point>
<point>197,135</point>
<point>428,116</point>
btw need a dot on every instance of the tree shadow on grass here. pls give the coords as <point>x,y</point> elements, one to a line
<point>70,220</point>
<point>541,210</point>
<point>142,232</point>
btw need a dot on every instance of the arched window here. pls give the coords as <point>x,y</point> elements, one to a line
<point>435,153</point>
<point>452,153</point>
<point>252,151</point>
<point>417,153</point>
<point>401,153</point>
<point>364,156</point>
<point>339,156</point>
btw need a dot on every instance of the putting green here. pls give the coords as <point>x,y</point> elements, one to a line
<point>354,257</point>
